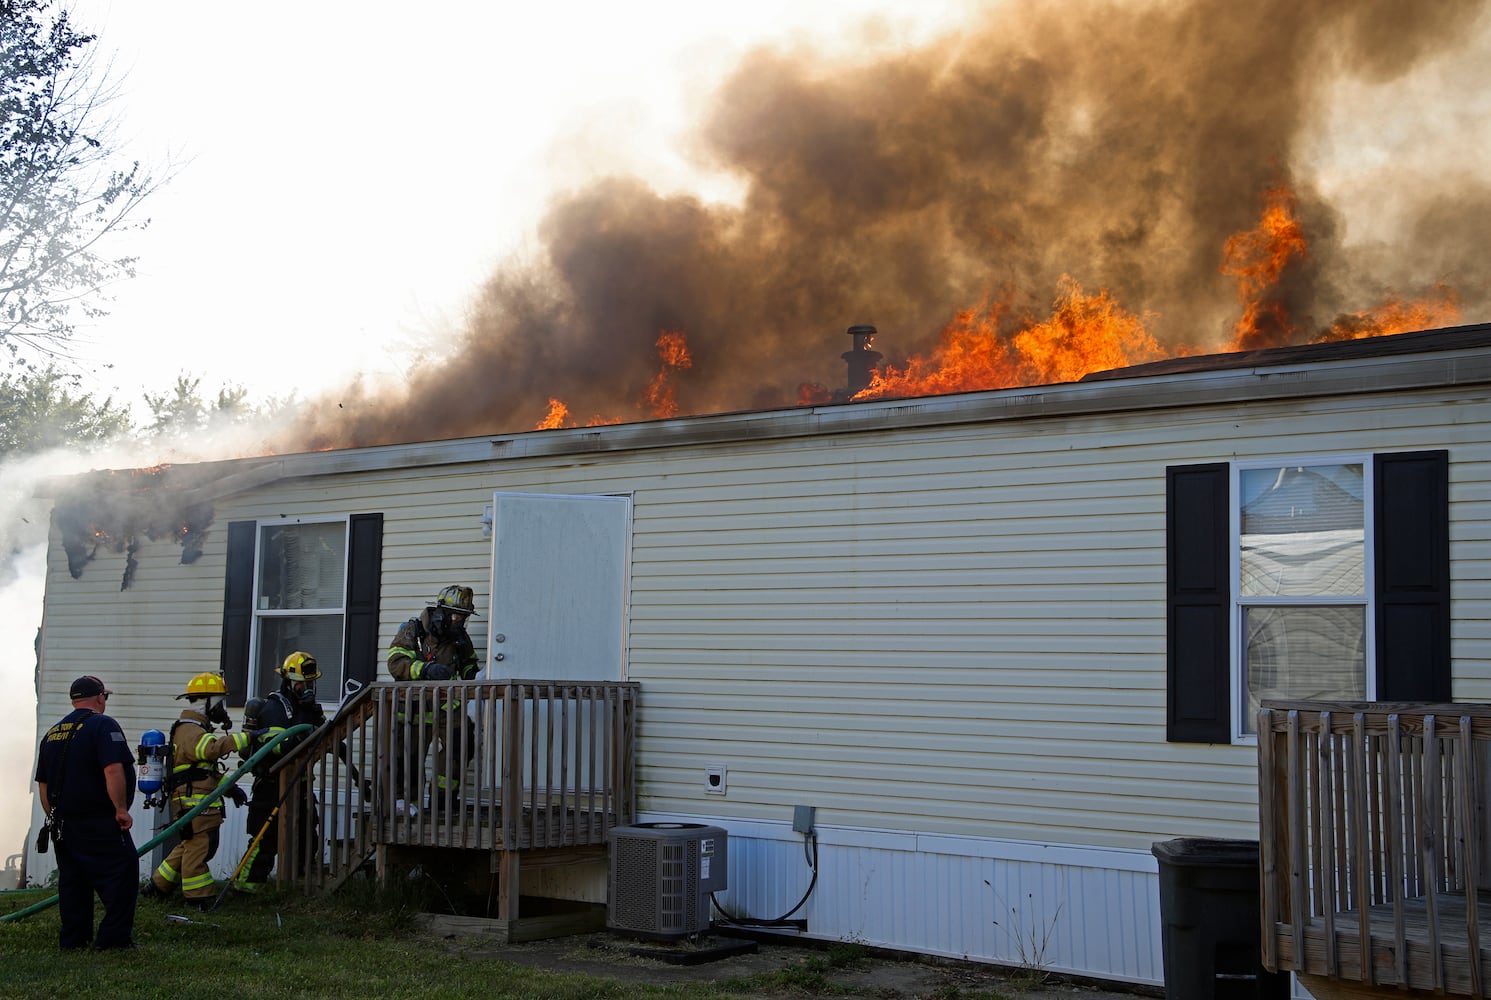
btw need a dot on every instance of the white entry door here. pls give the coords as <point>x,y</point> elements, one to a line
<point>560,584</point>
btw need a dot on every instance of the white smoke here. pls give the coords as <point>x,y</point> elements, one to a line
<point>20,610</point>
<point>25,520</point>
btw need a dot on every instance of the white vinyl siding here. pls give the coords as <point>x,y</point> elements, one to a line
<point>954,630</point>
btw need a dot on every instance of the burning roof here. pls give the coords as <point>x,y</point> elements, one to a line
<point>113,511</point>
<point>1054,190</point>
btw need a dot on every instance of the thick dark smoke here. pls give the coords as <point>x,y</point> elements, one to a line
<point>1118,143</point>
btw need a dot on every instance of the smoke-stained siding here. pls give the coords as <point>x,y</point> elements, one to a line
<point>949,632</point>
<point>144,641</point>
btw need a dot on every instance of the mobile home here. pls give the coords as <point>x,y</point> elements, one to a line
<point>1000,642</point>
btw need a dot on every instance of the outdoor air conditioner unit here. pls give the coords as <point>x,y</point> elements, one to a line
<point>660,878</point>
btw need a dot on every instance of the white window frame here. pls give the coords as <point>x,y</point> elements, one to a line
<point>1367,601</point>
<point>260,615</point>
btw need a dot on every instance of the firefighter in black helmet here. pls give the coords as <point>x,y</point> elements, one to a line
<point>293,704</point>
<point>432,647</point>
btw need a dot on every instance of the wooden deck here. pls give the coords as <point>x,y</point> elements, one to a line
<point>1414,940</point>
<point>548,771</point>
<point>1374,847</point>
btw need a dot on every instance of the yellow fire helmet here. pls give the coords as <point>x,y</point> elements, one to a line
<point>299,666</point>
<point>204,684</point>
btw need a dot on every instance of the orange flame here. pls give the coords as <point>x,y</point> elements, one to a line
<point>556,416</point>
<point>1257,259</point>
<point>672,351</point>
<point>559,413</point>
<point>660,397</point>
<point>1441,307</point>
<point>970,356</point>
<point>813,393</point>
<point>1084,333</point>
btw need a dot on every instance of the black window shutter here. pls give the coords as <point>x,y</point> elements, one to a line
<point>238,609</point>
<point>1199,605</point>
<point>364,581</point>
<point>1412,515</point>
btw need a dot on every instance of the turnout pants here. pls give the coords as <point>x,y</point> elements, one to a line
<point>262,818</point>
<point>186,865</point>
<point>451,734</point>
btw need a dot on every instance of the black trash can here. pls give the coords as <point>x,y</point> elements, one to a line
<point>1210,917</point>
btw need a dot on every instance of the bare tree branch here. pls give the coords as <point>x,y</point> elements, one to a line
<point>63,189</point>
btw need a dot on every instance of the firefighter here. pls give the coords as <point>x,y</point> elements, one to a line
<point>292,705</point>
<point>196,766</point>
<point>433,647</point>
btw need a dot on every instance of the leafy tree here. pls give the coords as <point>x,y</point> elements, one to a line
<point>62,189</point>
<point>41,408</point>
<point>183,410</point>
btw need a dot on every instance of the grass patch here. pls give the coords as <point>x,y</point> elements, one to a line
<point>798,978</point>
<point>846,955</point>
<point>365,943</point>
<point>810,975</point>
<point>954,992</point>
<point>359,943</point>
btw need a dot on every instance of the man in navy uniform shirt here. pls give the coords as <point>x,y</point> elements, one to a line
<point>85,777</point>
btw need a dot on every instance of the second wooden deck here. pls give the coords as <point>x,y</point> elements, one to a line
<point>1373,847</point>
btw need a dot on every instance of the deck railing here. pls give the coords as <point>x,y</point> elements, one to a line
<point>1373,843</point>
<point>542,765</point>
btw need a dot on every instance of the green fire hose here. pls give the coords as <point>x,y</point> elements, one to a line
<point>213,796</point>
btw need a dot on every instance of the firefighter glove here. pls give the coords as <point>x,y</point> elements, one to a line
<point>237,795</point>
<point>436,672</point>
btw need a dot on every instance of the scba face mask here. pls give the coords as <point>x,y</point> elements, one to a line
<point>447,624</point>
<point>217,711</point>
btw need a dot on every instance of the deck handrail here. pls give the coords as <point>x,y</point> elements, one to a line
<point>1372,834</point>
<point>547,764</point>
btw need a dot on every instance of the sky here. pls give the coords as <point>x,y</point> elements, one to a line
<point>490,202</point>
<point>341,178</point>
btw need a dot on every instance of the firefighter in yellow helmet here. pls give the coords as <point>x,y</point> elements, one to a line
<point>196,767</point>
<point>432,647</point>
<point>293,704</point>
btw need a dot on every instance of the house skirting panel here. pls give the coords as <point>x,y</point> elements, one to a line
<point>1074,910</point>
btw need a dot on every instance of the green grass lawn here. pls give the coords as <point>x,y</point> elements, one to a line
<point>356,944</point>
